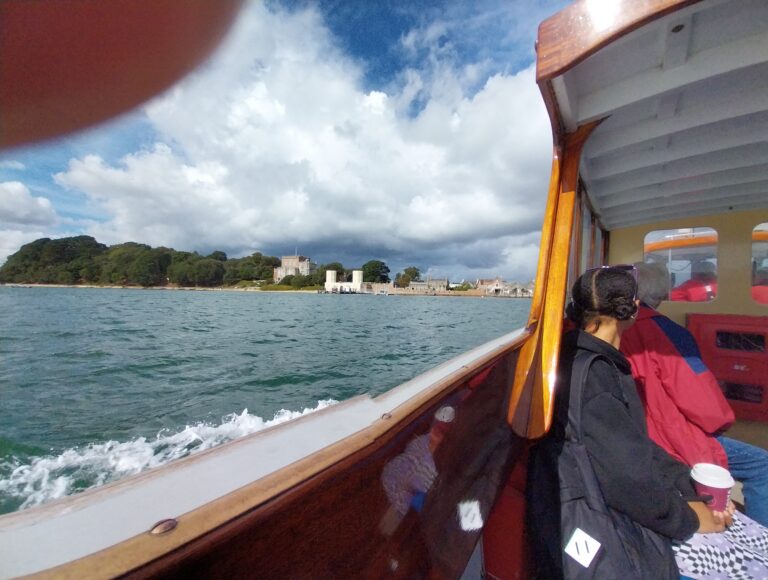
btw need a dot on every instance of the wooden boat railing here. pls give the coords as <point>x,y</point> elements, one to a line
<point>329,514</point>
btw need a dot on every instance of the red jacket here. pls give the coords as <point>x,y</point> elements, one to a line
<point>694,291</point>
<point>760,294</point>
<point>684,405</point>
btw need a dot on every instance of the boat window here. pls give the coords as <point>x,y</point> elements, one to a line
<point>747,341</point>
<point>599,256</point>
<point>587,228</point>
<point>760,264</point>
<point>690,256</point>
<point>742,392</point>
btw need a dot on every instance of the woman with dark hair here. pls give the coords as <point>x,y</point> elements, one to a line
<point>643,488</point>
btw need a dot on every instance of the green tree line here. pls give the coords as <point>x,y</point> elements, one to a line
<point>83,260</point>
<point>410,274</point>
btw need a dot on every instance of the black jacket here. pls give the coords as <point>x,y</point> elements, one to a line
<point>636,476</point>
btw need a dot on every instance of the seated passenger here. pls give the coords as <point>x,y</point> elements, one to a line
<point>685,408</point>
<point>760,286</point>
<point>637,479</point>
<point>701,287</point>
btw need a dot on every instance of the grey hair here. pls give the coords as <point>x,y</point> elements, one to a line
<point>652,283</point>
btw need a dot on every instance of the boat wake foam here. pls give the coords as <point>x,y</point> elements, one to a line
<point>28,483</point>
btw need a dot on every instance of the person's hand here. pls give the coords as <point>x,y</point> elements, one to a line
<point>727,515</point>
<point>709,521</point>
<point>724,517</point>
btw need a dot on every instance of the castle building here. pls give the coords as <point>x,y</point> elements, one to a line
<point>292,266</point>
<point>428,285</point>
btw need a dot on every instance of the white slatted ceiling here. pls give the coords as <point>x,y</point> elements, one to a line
<point>686,131</point>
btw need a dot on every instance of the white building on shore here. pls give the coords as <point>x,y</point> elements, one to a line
<point>353,287</point>
<point>498,287</point>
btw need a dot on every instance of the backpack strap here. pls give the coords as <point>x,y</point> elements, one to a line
<point>581,365</point>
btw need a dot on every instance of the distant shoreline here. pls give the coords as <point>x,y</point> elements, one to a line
<point>117,287</point>
<point>447,294</point>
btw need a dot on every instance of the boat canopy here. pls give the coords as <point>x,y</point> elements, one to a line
<point>682,104</point>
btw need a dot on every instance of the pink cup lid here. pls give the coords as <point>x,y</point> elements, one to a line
<point>712,475</point>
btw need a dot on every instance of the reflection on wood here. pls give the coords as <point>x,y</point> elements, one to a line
<point>535,375</point>
<point>445,468</point>
<point>522,387</point>
<point>545,248</point>
<point>582,28</point>
<point>554,307</point>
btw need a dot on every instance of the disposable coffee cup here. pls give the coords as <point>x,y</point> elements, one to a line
<point>715,481</point>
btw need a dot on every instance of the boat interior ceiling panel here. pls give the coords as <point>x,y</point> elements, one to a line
<point>684,104</point>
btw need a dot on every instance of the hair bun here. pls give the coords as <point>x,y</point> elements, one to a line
<point>625,311</point>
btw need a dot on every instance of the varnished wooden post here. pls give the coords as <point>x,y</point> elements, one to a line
<point>536,371</point>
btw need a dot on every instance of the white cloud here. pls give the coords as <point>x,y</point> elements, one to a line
<point>23,217</point>
<point>19,207</point>
<point>276,142</point>
<point>154,197</point>
<point>11,164</point>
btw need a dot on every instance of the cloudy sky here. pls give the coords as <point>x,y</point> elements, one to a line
<point>411,132</point>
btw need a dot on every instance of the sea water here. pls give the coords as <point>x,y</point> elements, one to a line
<point>97,384</point>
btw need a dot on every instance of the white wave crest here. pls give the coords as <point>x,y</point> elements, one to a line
<point>47,478</point>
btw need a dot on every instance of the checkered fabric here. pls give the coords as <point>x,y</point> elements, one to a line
<point>739,553</point>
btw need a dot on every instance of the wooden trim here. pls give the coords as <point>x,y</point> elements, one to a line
<point>592,210</point>
<point>537,303</point>
<point>555,301</point>
<point>140,550</point>
<point>592,238</point>
<point>680,243</point>
<point>709,240</point>
<point>537,366</point>
<point>331,525</point>
<point>553,110</point>
<point>576,236</point>
<point>527,359</point>
<point>594,225</point>
<point>570,36</point>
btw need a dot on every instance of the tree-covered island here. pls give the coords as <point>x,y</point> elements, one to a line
<point>81,260</point>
